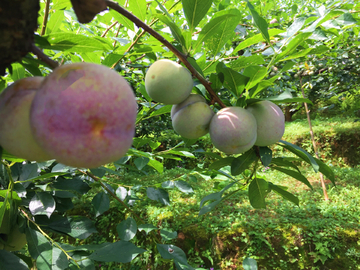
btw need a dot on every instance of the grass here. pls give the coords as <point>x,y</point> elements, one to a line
<point>317,234</point>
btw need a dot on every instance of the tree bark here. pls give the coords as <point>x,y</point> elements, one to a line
<point>18,21</point>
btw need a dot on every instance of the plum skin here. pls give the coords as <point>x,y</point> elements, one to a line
<point>84,115</point>
<point>168,82</point>
<point>270,122</point>
<point>191,118</point>
<point>233,130</point>
<point>15,132</point>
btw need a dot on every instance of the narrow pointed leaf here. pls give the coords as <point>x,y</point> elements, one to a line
<point>138,8</point>
<point>258,190</point>
<point>285,194</point>
<point>294,174</point>
<point>256,39</point>
<point>175,30</point>
<point>241,163</point>
<point>260,22</point>
<point>326,170</point>
<point>195,10</point>
<point>256,74</point>
<point>301,153</point>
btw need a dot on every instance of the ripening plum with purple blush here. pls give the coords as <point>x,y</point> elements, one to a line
<point>15,132</point>
<point>270,122</point>
<point>84,115</point>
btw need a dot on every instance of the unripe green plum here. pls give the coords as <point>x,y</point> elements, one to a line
<point>168,82</point>
<point>84,115</point>
<point>191,118</point>
<point>233,130</point>
<point>270,122</point>
<point>15,132</point>
<point>13,241</point>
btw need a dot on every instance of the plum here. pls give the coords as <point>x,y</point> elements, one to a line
<point>191,118</point>
<point>233,130</point>
<point>84,115</point>
<point>168,82</point>
<point>15,132</point>
<point>270,122</point>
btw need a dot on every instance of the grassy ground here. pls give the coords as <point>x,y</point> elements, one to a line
<point>317,234</point>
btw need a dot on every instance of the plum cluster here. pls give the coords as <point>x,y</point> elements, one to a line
<point>233,130</point>
<point>82,115</point>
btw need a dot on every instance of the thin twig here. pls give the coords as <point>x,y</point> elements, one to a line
<point>46,16</point>
<point>48,237</point>
<point>181,56</point>
<point>107,29</point>
<point>117,34</point>
<point>43,57</point>
<point>326,197</point>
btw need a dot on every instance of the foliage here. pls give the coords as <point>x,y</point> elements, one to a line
<point>231,50</point>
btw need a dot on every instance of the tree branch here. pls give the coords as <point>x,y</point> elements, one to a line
<point>46,16</point>
<point>107,29</point>
<point>181,56</point>
<point>43,57</point>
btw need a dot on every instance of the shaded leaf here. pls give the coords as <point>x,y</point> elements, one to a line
<point>159,195</point>
<point>9,261</point>
<point>183,186</point>
<point>285,194</point>
<point>120,251</point>
<point>265,155</point>
<point>147,228</point>
<point>52,259</point>
<point>294,174</point>
<point>127,229</point>
<point>101,203</point>
<point>167,235</point>
<point>249,264</point>
<point>241,163</point>
<point>258,190</point>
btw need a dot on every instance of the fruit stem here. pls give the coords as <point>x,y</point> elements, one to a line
<point>182,57</point>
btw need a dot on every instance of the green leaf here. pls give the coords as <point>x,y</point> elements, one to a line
<point>55,21</point>
<point>256,39</point>
<point>29,171</point>
<point>171,252</point>
<point>127,229</point>
<point>121,193</point>
<point>81,227</point>
<point>260,22</point>
<point>250,264</point>
<point>162,110</point>
<point>326,170</point>
<point>101,203</point>
<point>218,30</point>
<point>346,19</point>
<point>122,19</point>
<point>141,162</point>
<point>167,235</point>
<point>295,26</point>
<point>241,163</point>
<point>195,10</point>
<point>9,261</point>
<point>18,71</point>
<point>37,243</point>
<point>175,30</point>
<point>256,74</point>
<point>299,54</point>
<point>287,97</point>
<point>138,8</point>
<point>53,259</point>
<point>301,153</point>
<point>293,44</point>
<point>71,42</point>
<point>120,251</point>
<point>218,164</point>
<point>232,80</point>
<point>74,184</point>
<point>160,195</point>
<point>158,166</point>
<point>147,228</point>
<point>244,62</point>
<point>283,162</point>
<point>42,204</point>
<point>285,194</point>
<point>294,174</point>
<point>265,155</point>
<point>258,190</point>
<point>183,186</point>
